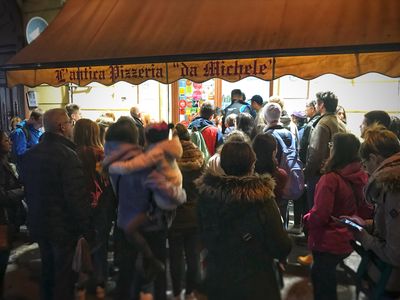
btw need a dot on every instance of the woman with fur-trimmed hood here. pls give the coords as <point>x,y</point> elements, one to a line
<point>381,158</point>
<point>241,228</point>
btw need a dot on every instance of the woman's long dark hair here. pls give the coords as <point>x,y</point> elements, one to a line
<point>345,150</point>
<point>264,145</point>
<point>3,153</point>
<point>245,123</point>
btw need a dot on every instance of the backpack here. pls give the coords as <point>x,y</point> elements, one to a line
<point>197,138</point>
<point>291,163</point>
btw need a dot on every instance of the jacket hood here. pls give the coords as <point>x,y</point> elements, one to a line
<point>115,151</point>
<point>192,158</point>
<point>200,123</point>
<point>353,173</point>
<point>252,188</point>
<point>172,147</point>
<point>386,176</point>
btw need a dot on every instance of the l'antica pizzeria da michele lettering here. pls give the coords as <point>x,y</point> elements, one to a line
<point>113,73</point>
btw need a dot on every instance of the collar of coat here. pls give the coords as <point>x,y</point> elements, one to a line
<point>192,158</point>
<point>58,138</point>
<point>251,188</point>
<point>386,177</point>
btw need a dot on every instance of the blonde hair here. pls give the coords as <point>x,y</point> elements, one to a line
<point>14,121</point>
<point>87,133</point>
<point>380,141</point>
<point>277,99</point>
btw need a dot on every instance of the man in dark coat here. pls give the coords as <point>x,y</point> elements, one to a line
<point>135,114</point>
<point>58,209</point>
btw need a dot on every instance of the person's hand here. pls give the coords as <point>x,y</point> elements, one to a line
<point>155,181</point>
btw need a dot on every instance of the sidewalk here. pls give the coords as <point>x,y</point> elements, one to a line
<point>23,275</point>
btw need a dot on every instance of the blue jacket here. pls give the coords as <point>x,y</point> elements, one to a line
<point>20,141</point>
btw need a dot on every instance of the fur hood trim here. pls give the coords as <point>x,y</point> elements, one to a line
<point>252,188</point>
<point>387,176</point>
<point>192,158</point>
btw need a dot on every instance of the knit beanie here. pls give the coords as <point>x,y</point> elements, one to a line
<point>272,113</point>
<point>157,132</point>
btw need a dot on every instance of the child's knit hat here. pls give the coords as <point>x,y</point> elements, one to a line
<point>156,132</point>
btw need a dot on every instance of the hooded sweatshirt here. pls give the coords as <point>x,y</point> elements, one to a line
<point>337,193</point>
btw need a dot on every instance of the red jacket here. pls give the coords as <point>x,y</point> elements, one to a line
<point>210,135</point>
<point>336,194</point>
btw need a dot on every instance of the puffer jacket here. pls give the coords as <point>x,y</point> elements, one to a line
<point>318,151</point>
<point>191,165</point>
<point>383,190</point>
<point>134,190</point>
<point>57,199</point>
<point>242,230</point>
<point>337,194</point>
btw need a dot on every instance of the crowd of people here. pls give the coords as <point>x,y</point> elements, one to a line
<point>210,198</point>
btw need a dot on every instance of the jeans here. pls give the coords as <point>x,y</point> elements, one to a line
<point>184,244</point>
<point>323,274</point>
<point>58,280</point>
<point>129,282</point>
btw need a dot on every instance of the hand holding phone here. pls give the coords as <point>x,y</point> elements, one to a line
<point>348,222</point>
<point>351,224</point>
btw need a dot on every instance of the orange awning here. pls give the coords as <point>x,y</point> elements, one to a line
<point>112,40</point>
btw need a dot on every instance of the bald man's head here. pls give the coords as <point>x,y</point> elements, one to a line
<point>57,121</point>
<point>135,112</point>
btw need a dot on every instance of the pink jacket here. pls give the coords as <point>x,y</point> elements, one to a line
<point>336,194</point>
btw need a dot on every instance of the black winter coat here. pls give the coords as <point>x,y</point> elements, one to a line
<point>58,203</point>
<point>11,196</point>
<point>242,230</point>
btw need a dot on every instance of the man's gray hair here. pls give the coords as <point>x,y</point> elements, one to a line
<point>52,118</point>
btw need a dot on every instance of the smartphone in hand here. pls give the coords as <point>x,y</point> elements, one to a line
<point>348,222</point>
<point>351,224</point>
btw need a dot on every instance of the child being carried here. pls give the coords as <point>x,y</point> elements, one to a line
<point>161,154</point>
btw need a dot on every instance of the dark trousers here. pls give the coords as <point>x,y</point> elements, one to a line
<point>100,263</point>
<point>283,209</point>
<point>184,244</point>
<point>300,208</point>
<point>311,184</point>
<point>58,280</point>
<point>323,275</point>
<point>4,256</point>
<point>129,282</point>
